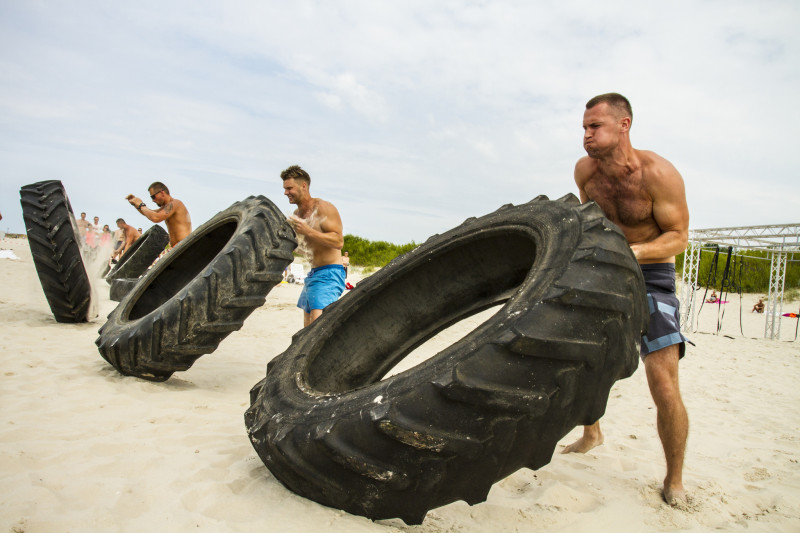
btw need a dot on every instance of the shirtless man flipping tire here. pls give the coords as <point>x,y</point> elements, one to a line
<point>644,195</point>
<point>319,228</point>
<point>129,236</point>
<point>170,210</point>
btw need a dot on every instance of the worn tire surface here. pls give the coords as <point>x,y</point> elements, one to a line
<point>135,261</point>
<point>330,429</point>
<point>120,287</point>
<point>55,246</point>
<point>199,292</point>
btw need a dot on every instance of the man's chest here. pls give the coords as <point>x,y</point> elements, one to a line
<point>624,201</point>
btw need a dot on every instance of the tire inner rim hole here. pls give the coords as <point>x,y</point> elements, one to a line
<point>443,288</point>
<point>443,339</point>
<point>182,268</point>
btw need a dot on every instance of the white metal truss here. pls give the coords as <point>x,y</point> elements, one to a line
<point>752,237</point>
<point>780,241</point>
<point>691,262</point>
<point>774,310</point>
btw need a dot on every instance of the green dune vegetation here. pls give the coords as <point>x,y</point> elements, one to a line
<point>373,254</point>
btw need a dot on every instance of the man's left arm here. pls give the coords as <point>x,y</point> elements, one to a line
<point>670,212</point>
<point>159,215</point>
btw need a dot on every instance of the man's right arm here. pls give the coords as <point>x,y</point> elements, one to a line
<point>583,171</point>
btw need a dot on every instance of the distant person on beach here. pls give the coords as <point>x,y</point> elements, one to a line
<point>119,235</point>
<point>129,235</point>
<point>105,236</point>
<point>170,210</point>
<point>346,263</point>
<point>759,306</point>
<point>713,298</point>
<point>83,226</point>
<point>92,233</point>
<point>644,195</point>
<point>319,230</point>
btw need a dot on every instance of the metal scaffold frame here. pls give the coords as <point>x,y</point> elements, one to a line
<point>780,241</point>
<point>691,263</point>
<point>774,309</point>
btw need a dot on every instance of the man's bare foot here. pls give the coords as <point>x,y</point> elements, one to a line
<point>585,443</point>
<point>675,497</point>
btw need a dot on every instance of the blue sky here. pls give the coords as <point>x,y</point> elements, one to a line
<point>410,116</point>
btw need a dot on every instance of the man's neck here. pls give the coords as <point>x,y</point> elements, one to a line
<point>306,206</point>
<point>621,158</point>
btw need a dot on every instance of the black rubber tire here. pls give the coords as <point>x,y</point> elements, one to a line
<point>138,258</point>
<point>120,287</point>
<point>199,292</point>
<point>499,399</point>
<point>55,247</point>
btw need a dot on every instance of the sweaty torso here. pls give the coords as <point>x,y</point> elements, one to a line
<point>317,254</point>
<point>625,201</point>
<point>179,224</point>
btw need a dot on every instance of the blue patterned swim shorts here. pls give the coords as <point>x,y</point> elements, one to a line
<point>665,328</point>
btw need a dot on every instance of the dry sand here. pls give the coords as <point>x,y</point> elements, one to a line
<point>83,448</point>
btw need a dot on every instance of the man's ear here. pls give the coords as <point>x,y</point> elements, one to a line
<point>624,124</point>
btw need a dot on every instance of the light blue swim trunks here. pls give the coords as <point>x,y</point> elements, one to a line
<point>322,287</point>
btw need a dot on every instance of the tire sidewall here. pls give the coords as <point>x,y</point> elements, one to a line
<point>119,271</point>
<point>119,317</point>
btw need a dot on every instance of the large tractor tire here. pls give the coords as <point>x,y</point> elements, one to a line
<point>199,292</point>
<point>136,259</point>
<point>332,428</point>
<point>56,250</point>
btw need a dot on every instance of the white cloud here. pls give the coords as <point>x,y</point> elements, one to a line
<point>407,114</point>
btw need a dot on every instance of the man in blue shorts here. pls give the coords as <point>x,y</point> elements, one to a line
<point>319,231</point>
<point>644,195</point>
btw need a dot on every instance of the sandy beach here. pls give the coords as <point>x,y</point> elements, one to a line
<point>83,448</point>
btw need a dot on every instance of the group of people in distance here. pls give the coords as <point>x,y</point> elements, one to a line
<point>758,307</point>
<point>92,235</point>
<point>638,190</point>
